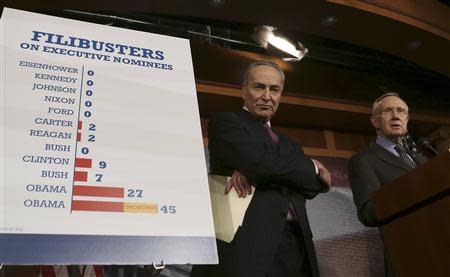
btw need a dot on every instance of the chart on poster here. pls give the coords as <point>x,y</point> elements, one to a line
<point>100,133</point>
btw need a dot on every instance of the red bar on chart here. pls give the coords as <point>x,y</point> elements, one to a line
<point>80,176</point>
<point>98,191</point>
<point>81,162</point>
<point>78,136</point>
<point>97,206</point>
<point>80,125</point>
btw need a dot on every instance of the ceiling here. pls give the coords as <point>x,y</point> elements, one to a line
<point>355,52</point>
<point>353,25</point>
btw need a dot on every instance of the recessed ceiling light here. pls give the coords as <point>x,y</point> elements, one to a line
<point>415,44</point>
<point>329,20</point>
<point>216,3</point>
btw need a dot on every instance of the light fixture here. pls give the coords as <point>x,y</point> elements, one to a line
<point>413,45</point>
<point>216,3</point>
<point>268,36</point>
<point>329,20</point>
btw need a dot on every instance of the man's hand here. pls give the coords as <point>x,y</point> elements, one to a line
<point>324,175</point>
<point>240,183</point>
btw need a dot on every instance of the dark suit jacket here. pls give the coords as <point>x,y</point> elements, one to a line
<point>368,171</point>
<point>281,173</point>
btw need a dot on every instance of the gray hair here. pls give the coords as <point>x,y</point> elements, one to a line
<point>377,101</point>
<point>260,63</point>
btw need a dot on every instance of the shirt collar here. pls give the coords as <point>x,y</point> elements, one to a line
<point>386,144</point>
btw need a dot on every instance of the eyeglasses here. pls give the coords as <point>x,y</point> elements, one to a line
<point>390,111</point>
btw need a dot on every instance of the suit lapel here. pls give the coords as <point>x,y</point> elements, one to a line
<point>255,127</point>
<point>284,145</point>
<point>389,158</point>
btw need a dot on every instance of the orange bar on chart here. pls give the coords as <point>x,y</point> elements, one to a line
<point>148,208</point>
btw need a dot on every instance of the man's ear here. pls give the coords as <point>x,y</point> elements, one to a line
<point>406,123</point>
<point>244,92</point>
<point>375,122</point>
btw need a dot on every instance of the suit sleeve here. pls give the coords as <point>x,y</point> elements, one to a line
<point>231,143</point>
<point>363,182</point>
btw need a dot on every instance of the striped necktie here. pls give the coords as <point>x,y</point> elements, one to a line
<point>404,156</point>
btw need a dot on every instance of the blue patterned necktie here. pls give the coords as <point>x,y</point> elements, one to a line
<point>404,156</point>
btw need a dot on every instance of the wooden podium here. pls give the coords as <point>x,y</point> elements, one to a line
<point>417,209</point>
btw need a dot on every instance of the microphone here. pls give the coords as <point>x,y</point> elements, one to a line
<point>409,143</point>
<point>426,144</point>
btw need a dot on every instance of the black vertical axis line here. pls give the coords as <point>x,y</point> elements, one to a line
<point>76,137</point>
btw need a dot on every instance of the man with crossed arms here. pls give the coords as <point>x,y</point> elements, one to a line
<point>275,238</point>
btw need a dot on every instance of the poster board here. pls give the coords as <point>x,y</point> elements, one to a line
<point>102,159</point>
